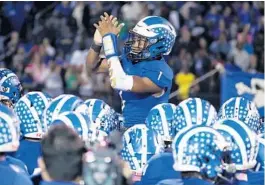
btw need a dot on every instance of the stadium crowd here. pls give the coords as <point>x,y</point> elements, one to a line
<point>59,121</point>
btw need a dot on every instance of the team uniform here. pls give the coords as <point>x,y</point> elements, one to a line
<point>28,152</point>
<point>12,171</point>
<point>11,174</point>
<point>136,106</point>
<point>14,161</point>
<point>157,36</point>
<point>158,168</point>
<point>255,178</point>
<point>29,110</point>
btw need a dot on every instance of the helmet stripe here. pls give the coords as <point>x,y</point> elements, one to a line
<point>59,106</point>
<point>162,113</point>
<point>198,111</point>
<point>6,77</point>
<point>83,124</point>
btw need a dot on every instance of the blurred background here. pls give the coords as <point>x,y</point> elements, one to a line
<point>46,43</point>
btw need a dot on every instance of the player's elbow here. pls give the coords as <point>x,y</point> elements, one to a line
<point>145,85</point>
<point>123,83</point>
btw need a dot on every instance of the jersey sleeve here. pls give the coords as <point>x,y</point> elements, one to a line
<point>160,77</point>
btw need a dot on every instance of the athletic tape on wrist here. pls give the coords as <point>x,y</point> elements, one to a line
<point>110,45</point>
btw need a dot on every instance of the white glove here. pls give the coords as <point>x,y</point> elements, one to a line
<point>97,37</point>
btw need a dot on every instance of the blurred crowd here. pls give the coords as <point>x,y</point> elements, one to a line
<point>46,43</point>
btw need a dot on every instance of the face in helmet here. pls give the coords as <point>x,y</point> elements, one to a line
<point>150,39</point>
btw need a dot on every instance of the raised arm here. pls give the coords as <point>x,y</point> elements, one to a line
<point>95,62</point>
<point>119,79</point>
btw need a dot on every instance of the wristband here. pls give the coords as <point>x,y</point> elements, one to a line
<point>110,45</point>
<point>95,47</point>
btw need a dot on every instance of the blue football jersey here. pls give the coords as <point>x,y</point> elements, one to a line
<point>18,163</point>
<point>256,178</point>
<point>28,152</point>
<point>135,106</point>
<point>158,168</point>
<point>11,174</point>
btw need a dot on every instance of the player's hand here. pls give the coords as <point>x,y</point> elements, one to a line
<point>108,24</point>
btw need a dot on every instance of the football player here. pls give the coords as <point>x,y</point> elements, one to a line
<point>242,149</point>
<point>12,171</point>
<point>140,73</point>
<point>197,152</point>
<point>29,109</point>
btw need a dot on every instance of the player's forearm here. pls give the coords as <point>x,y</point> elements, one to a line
<point>91,59</point>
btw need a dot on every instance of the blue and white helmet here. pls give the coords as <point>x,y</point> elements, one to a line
<point>58,105</point>
<point>78,121</point>
<point>200,149</point>
<point>102,116</point>
<point>194,111</point>
<point>155,37</point>
<point>242,109</point>
<point>29,110</point>
<point>161,119</point>
<point>9,130</point>
<point>139,145</point>
<point>260,157</point>
<point>10,86</point>
<point>243,143</point>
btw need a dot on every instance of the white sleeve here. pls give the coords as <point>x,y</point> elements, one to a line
<point>118,78</point>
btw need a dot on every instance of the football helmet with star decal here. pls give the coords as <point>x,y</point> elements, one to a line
<point>10,87</point>
<point>194,111</point>
<point>150,39</point>
<point>161,120</point>
<point>29,110</point>
<point>243,143</point>
<point>59,105</point>
<point>242,109</point>
<point>9,130</point>
<point>199,149</point>
<point>102,116</point>
<point>139,145</point>
<point>75,120</point>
